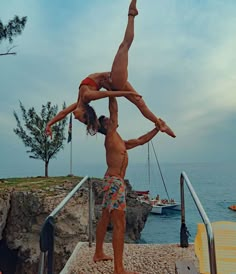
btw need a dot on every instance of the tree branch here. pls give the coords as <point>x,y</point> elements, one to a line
<point>8,52</point>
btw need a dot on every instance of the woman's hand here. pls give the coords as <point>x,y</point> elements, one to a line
<point>48,131</point>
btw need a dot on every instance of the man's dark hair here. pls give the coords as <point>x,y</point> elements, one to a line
<point>101,128</point>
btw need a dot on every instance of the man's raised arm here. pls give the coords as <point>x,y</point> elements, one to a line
<point>113,109</point>
<point>142,139</point>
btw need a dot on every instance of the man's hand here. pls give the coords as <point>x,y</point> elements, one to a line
<point>48,131</point>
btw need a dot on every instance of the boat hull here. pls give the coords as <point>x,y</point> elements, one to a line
<point>232,207</point>
<point>158,209</point>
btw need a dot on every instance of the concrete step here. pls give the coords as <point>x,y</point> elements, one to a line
<point>185,267</point>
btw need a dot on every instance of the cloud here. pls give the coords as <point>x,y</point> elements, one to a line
<point>182,61</point>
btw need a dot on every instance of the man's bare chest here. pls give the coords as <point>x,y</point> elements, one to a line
<point>115,143</point>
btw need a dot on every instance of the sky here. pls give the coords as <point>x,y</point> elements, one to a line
<point>182,61</point>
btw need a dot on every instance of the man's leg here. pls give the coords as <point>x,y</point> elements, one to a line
<point>118,221</point>
<point>119,70</point>
<point>100,235</point>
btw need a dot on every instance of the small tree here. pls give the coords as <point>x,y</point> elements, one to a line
<point>12,29</point>
<point>33,133</point>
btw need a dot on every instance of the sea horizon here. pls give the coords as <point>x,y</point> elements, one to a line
<point>35,168</point>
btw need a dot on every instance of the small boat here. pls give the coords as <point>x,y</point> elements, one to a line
<point>232,207</point>
<point>142,192</point>
<point>158,205</point>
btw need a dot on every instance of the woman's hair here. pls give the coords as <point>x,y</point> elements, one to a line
<point>101,128</point>
<point>90,117</point>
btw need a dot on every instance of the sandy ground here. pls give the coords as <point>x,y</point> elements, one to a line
<point>141,258</point>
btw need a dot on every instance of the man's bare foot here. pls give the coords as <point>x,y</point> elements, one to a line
<point>125,272</point>
<point>164,128</point>
<point>132,8</point>
<point>102,257</point>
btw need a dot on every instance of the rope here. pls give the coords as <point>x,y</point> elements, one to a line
<point>160,170</point>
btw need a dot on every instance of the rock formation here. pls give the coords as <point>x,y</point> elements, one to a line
<point>22,214</point>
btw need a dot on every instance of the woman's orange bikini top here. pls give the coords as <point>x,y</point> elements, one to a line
<point>90,82</point>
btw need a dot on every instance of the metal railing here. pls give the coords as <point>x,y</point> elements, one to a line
<point>184,232</point>
<point>47,232</point>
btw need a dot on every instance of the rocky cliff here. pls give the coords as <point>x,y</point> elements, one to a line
<point>23,211</point>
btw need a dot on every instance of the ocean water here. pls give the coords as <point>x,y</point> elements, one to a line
<point>214,183</point>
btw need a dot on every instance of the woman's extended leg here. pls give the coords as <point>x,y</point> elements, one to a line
<point>119,73</point>
<point>119,70</point>
<point>139,102</point>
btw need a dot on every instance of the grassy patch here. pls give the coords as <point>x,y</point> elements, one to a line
<point>34,183</point>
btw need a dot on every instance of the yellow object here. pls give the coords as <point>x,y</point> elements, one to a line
<point>225,246</point>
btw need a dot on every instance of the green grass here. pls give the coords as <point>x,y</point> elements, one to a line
<point>34,183</point>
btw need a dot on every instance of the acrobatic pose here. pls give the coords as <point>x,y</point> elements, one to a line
<point>88,91</point>
<point>114,202</point>
<point>114,80</point>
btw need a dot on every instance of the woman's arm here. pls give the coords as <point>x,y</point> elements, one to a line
<point>61,115</point>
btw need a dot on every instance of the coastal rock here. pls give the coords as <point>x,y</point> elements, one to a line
<point>22,214</point>
<point>4,209</point>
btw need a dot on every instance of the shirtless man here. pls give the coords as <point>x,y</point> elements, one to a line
<point>114,204</point>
